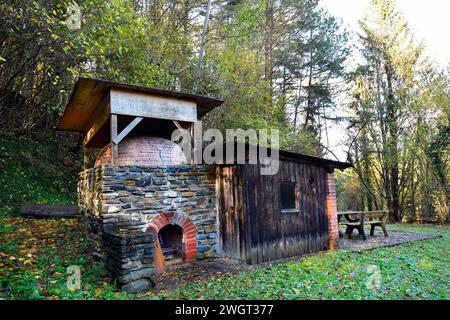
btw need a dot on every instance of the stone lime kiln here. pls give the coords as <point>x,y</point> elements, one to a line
<point>146,207</point>
<point>143,204</point>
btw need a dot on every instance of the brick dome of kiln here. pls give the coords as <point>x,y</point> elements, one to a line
<point>144,150</point>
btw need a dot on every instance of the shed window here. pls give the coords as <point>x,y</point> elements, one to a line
<point>287,195</point>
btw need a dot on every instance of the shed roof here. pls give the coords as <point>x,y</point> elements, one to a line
<point>322,162</point>
<point>299,157</point>
<point>89,93</point>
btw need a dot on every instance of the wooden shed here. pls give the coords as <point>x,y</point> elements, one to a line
<point>269,217</point>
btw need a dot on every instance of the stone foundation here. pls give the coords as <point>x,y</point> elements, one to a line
<point>124,207</point>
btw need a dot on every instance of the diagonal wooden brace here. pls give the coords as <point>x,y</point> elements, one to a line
<point>187,134</point>
<point>127,130</point>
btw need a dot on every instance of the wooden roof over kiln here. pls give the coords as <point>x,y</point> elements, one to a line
<point>100,108</point>
<point>89,95</point>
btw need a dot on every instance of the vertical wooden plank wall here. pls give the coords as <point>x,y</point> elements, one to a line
<point>276,234</point>
<point>254,229</point>
<point>231,212</point>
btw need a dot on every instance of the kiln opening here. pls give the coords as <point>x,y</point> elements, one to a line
<point>171,240</point>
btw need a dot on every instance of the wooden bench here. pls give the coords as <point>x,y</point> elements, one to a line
<point>358,219</point>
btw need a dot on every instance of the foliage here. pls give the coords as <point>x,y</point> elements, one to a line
<point>36,66</point>
<point>40,169</point>
<point>276,66</point>
<point>348,191</point>
<point>42,56</point>
<point>400,104</point>
<point>157,44</point>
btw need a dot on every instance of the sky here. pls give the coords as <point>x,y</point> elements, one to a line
<point>428,20</point>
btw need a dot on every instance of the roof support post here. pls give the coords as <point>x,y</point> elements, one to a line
<point>193,149</point>
<point>86,158</point>
<point>114,146</point>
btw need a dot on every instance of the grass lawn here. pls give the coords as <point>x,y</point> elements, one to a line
<point>34,255</point>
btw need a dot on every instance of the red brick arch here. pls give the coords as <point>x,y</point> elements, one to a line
<point>189,233</point>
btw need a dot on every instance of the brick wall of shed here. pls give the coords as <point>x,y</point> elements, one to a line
<point>333,227</point>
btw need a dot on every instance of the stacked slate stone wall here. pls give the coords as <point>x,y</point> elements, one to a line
<point>90,205</point>
<point>119,203</point>
<point>129,259</point>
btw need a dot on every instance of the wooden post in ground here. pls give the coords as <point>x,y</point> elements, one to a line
<point>193,151</point>
<point>114,147</point>
<point>86,158</point>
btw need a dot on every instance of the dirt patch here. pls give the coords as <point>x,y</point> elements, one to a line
<point>182,274</point>
<point>356,243</point>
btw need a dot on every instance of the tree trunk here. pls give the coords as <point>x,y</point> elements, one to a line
<point>367,173</point>
<point>309,102</point>
<point>202,48</point>
<point>392,147</point>
<point>268,44</point>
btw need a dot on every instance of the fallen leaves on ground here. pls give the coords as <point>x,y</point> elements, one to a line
<point>35,254</point>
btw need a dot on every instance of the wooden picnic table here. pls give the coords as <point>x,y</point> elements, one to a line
<point>358,219</point>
